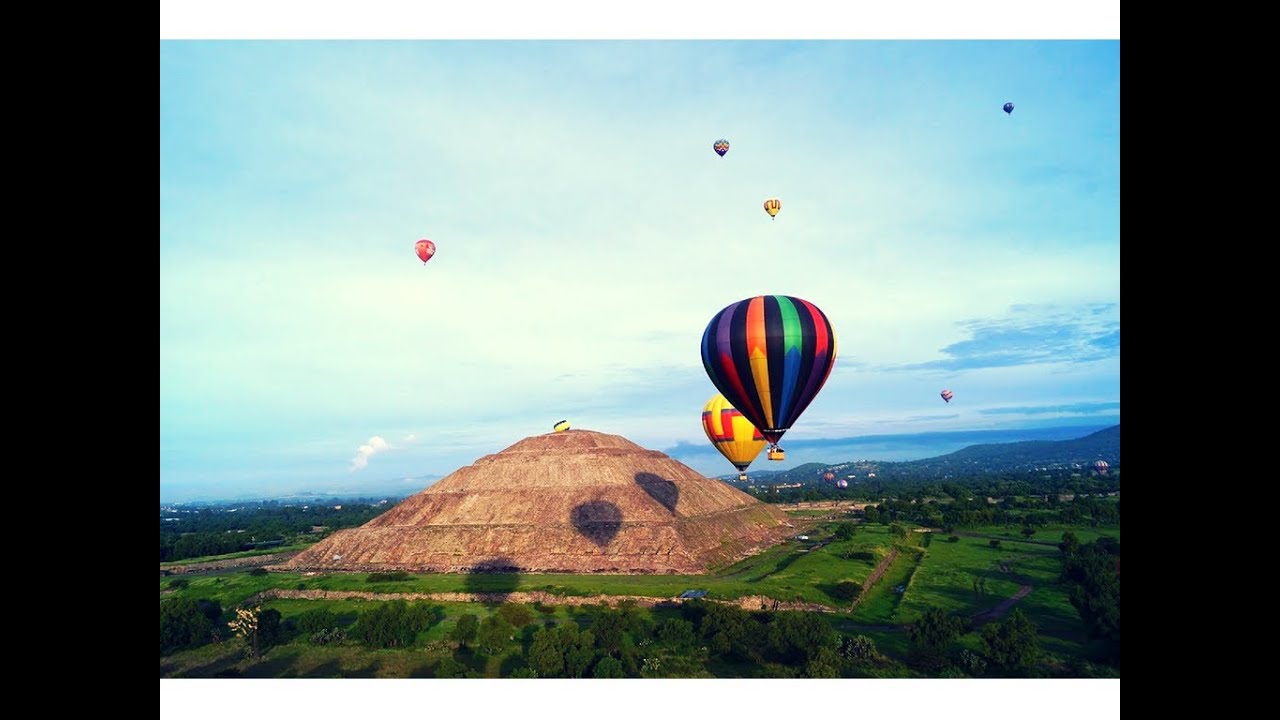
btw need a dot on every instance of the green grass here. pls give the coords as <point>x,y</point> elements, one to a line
<point>880,603</point>
<point>789,571</point>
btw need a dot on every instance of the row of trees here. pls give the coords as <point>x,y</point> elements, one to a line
<point>999,485</point>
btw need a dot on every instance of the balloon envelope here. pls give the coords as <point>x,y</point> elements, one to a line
<point>769,355</point>
<point>1008,108</point>
<point>561,426</point>
<point>732,434</point>
<point>947,395</point>
<point>721,147</point>
<point>772,206</point>
<point>425,249</point>
<point>842,483</point>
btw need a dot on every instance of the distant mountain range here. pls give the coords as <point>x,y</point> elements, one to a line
<point>976,459</point>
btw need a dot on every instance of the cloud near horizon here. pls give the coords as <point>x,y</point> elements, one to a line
<point>375,445</point>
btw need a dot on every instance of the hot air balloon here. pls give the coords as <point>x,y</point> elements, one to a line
<point>1101,466</point>
<point>772,206</point>
<point>769,355</point>
<point>842,483</point>
<point>560,426</point>
<point>829,476</point>
<point>721,147</point>
<point>1008,108</point>
<point>733,435</point>
<point>425,249</point>
<point>947,395</point>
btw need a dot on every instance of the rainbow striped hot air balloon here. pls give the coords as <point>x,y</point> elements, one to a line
<point>733,434</point>
<point>721,147</point>
<point>769,355</point>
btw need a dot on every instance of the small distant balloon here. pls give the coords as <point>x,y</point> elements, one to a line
<point>772,206</point>
<point>561,426</point>
<point>842,483</point>
<point>829,476</point>
<point>721,147</point>
<point>947,395</point>
<point>1008,108</point>
<point>1101,466</point>
<point>425,249</point>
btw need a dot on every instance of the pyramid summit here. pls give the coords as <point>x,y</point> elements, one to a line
<point>574,501</point>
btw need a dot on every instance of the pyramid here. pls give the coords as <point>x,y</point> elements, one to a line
<point>576,501</point>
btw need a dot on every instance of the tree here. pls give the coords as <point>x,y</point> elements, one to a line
<point>609,668</point>
<point>182,625</point>
<point>245,625</point>
<point>859,648</point>
<point>314,621</point>
<point>1070,543</point>
<point>495,633</point>
<point>932,635</point>
<point>1028,531</point>
<point>676,633</point>
<point>994,544</point>
<point>1012,643</point>
<point>846,531</point>
<point>898,530</point>
<point>517,615</point>
<point>953,538</point>
<point>464,632</point>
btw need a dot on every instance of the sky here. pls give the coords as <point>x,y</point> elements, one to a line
<point>587,233</point>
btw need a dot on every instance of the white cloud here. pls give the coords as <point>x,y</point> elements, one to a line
<point>375,445</point>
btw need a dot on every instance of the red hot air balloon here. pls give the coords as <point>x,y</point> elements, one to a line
<point>769,355</point>
<point>947,395</point>
<point>425,249</point>
<point>829,476</point>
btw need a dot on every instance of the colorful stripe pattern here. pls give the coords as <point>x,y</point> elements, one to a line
<point>721,147</point>
<point>769,355</point>
<point>731,432</point>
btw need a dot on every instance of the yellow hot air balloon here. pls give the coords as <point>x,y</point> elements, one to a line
<point>732,434</point>
<point>772,206</point>
<point>561,426</point>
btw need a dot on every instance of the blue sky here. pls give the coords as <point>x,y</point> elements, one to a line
<point>587,232</point>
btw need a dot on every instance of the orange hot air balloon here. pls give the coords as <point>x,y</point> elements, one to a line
<point>425,249</point>
<point>829,476</point>
<point>772,206</point>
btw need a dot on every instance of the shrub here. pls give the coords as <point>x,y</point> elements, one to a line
<point>387,577</point>
<point>847,590</point>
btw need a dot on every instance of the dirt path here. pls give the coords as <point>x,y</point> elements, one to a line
<point>879,572</point>
<point>1003,607</point>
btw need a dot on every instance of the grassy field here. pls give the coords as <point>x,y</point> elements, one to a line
<point>793,570</point>
<point>932,571</point>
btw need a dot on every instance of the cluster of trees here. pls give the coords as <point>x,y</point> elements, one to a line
<point>1092,571</point>
<point>1010,647</point>
<point>1028,512</point>
<point>999,485</point>
<point>187,623</point>
<point>217,531</point>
